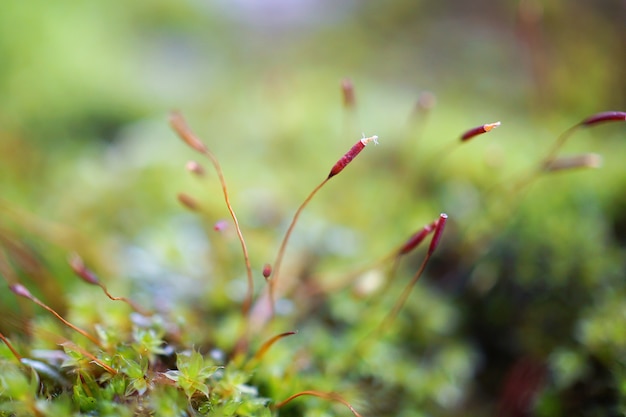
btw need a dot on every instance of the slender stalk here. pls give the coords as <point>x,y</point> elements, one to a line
<point>331,396</point>
<point>91,356</point>
<point>398,251</point>
<point>556,147</point>
<point>67,323</point>
<point>265,347</point>
<point>248,299</point>
<point>81,270</point>
<point>393,313</point>
<point>281,251</point>
<point>548,160</point>
<point>180,126</point>
<point>391,316</point>
<point>10,346</point>
<point>20,290</point>
<point>339,166</point>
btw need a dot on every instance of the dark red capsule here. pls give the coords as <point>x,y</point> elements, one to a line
<point>350,155</point>
<point>417,238</point>
<point>443,217</point>
<point>607,116</point>
<point>478,131</point>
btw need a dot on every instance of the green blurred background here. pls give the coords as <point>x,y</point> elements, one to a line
<point>526,296</point>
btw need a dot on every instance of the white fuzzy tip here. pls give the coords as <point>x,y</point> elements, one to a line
<point>374,139</point>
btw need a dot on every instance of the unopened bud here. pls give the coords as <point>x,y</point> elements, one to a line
<point>21,290</point>
<point>188,201</point>
<point>195,168</point>
<point>220,225</point>
<point>178,123</point>
<point>79,268</point>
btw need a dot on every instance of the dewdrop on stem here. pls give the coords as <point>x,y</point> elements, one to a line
<point>351,154</point>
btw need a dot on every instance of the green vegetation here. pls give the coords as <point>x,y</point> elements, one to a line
<point>519,308</point>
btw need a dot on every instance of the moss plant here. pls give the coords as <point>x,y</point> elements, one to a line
<point>141,362</point>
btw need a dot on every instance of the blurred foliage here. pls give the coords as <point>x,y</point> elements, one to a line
<point>521,310</point>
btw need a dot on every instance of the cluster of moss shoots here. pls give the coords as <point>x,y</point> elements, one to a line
<point>153,374</point>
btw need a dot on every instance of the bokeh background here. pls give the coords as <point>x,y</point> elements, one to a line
<point>522,310</point>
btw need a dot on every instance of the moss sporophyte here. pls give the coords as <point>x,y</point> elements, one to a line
<point>146,364</point>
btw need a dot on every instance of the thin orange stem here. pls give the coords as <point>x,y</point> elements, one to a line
<point>402,299</point>
<point>126,300</point>
<point>92,357</point>
<point>283,245</point>
<point>558,144</point>
<point>179,124</point>
<point>11,348</point>
<point>325,395</point>
<point>434,242</point>
<point>250,291</point>
<point>67,323</point>
<point>269,343</point>
<point>547,160</point>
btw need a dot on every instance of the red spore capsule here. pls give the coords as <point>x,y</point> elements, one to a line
<point>478,131</point>
<point>351,154</point>
<point>443,217</point>
<point>607,116</point>
<point>417,238</point>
